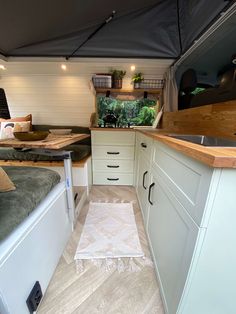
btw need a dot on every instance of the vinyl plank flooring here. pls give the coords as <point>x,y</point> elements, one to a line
<point>96,291</point>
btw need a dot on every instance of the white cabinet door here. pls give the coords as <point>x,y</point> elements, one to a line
<point>143,151</point>
<point>172,234</point>
<point>143,181</point>
<point>188,179</point>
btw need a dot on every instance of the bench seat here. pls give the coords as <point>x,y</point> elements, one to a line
<point>32,186</point>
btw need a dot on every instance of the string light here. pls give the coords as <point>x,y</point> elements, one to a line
<point>63,67</point>
<point>132,68</point>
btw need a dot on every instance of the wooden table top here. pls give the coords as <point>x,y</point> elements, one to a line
<point>51,142</point>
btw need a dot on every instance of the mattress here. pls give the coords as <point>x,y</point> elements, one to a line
<point>32,186</point>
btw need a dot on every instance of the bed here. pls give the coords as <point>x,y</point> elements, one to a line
<point>34,236</point>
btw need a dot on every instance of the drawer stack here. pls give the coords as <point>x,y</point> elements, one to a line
<point>113,157</point>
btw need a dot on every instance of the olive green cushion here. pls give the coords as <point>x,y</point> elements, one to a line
<point>32,185</point>
<point>78,152</point>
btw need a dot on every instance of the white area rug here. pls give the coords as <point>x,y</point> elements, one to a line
<point>110,239</point>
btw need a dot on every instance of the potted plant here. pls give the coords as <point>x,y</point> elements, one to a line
<point>117,76</point>
<point>137,79</point>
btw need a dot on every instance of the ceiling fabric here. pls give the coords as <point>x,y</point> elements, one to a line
<point>150,29</point>
<point>195,16</point>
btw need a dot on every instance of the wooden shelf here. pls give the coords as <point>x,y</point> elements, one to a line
<point>138,90</point>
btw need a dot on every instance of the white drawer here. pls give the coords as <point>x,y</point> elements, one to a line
<point>108,178</point>
<point>113,137</point>
<point>113,152</point>
<point>113,165</point>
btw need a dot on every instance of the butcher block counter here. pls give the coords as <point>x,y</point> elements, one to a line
<point>51,142</point>
<point>218,157</point>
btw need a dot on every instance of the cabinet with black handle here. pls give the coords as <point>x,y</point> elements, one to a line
<point>143,152</point>
<point>113,157</point>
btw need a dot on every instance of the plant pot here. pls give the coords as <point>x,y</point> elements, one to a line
<point>137,85</point>
<point>117,83</point>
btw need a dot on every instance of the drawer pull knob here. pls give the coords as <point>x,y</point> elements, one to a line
<point>113,153</point>
<point>112,179</point>
<point>149,193</point>
<point>110,166</point>
<point>144,175</point>
<point>144,145</point>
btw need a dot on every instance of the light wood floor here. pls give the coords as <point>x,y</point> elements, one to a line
<point>96,291</point>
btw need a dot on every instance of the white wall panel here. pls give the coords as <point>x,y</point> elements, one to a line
<point>57,97</point>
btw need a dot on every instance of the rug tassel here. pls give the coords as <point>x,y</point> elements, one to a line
<point>133,267</point>
<point>109,264</point>
<point>146,261</point>
<point>79,266</point>
<point>120,266</point>
<point>97,262</point>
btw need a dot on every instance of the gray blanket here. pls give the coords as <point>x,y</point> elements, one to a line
<point>78,152</point>
<point>32,185</point>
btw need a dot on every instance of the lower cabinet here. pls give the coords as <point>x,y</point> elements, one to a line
<point>191,229</point>
<point>143,152</point>
<point>142,185</point>
<point>172,236</point>
<point>113,157</point>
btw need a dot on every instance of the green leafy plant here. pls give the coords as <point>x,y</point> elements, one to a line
<point>137,78</point>
<point>118,74</point>
<point>146,116</point>
<point>134,112</point>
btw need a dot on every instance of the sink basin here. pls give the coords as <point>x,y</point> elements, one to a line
<point>205,140</point>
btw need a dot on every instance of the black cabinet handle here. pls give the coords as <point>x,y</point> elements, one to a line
<point>144,145</point>
<point>112,179</point>
<point>144,175</point>
<point>149,193</point>
<point>110,166</point>
<point>113,153</point>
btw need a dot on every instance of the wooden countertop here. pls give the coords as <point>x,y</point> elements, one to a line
<point>218,157</point>
<point>51,142</point>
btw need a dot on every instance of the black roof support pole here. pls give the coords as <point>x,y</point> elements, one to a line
<point>91,35</point>
<point>179,30</point>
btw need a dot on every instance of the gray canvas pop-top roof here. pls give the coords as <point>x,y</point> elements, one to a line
<point>142,29</point>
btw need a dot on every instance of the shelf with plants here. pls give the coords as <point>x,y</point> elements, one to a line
<point>140,82</point>
<point>113,82</point>
<point>131,90</point>
<point>109,80</point>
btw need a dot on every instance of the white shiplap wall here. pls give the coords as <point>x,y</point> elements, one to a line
<point>63,98</point>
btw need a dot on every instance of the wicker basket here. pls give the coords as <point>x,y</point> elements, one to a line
<point>102,81</point>
<point>150,84</point>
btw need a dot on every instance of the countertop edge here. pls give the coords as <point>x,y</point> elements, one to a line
<point>220,157</point>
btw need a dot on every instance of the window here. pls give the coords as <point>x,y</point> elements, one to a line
<point>127,112</point>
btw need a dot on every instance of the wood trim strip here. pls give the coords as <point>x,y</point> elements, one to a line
<point>24,163</point>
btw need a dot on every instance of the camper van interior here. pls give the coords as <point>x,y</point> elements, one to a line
<point>117,157</point>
